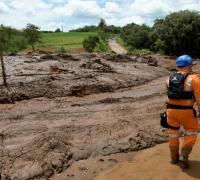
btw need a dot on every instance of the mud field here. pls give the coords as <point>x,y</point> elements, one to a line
<point>76,114</point>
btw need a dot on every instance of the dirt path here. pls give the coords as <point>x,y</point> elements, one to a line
<point>153,164</point>
<point>116,47</point>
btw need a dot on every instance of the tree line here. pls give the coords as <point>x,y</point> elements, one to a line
<point>177,33</point>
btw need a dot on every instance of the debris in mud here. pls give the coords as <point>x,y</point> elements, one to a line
<point>119,58</point>
<point>97,64</point>
<point>85,89</point>
<point>48,57</point>
<point>149,60</point>
<point>47,154</point>
<point>58,75</point>
<point>83,167</point>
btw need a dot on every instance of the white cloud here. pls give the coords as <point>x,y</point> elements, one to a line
<point>79,8</point>
<point>126,20</point>
<point>146,7</point>
<point>57,1</point>
<point>4,8</point>
<point>113,7</point>
<point>48,14</point>
<point>188,4</point>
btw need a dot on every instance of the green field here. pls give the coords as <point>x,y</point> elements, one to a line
<point>67,40</point>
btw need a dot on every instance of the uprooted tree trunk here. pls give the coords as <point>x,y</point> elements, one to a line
<point>3,71</point>
<point>8,91</point>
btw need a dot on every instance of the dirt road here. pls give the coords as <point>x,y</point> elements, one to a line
<point>116,47</point>
<point>153,164</point>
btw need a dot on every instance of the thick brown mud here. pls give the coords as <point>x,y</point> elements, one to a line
<point>77,107</point>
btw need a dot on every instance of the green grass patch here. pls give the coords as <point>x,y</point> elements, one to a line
<point>67,40</point>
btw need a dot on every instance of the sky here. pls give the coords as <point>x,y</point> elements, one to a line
<point>71,14</point>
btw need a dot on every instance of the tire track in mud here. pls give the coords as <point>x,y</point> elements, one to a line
<point>46,142</point>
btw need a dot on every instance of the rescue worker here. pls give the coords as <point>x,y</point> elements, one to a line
<point>183,92</point>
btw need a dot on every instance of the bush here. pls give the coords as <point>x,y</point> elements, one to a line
<point>136,36</point>
<point>17,44</point>
<point>58,30</point>
<point>90,43</point>
<point>102,47</point>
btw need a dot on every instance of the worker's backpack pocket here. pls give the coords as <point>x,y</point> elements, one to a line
<point>163,120</point>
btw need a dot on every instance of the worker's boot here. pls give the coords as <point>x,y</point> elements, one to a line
<point>184,157</point>
<point>174,155</point>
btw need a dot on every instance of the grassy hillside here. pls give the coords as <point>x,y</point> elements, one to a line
<point>69,41</point>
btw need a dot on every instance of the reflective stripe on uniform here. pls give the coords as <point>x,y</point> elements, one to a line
<point>174,135</point>
<point>191,133</point>
<point>188,84</point>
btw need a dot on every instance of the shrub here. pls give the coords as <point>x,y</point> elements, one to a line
<point>90,43</point>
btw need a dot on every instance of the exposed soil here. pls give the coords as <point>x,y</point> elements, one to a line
<point>76,110</point>
<point>115,47</point>
<point>145,166</point>
<point>61,75</point>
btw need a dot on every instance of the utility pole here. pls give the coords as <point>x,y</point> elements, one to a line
<point>62,25</point>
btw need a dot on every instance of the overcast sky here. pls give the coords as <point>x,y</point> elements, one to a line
<point>49,14</point>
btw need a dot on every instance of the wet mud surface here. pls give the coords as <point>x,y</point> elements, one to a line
<point>76,109</point>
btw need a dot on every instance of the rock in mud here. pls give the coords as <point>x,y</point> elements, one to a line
<point>81,155</point>
<point>57,164</point>
<point>48,170</point>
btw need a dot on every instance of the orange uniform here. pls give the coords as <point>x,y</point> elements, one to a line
<point>184,117</point>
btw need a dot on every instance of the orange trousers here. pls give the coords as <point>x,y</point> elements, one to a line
<point>185,118</point>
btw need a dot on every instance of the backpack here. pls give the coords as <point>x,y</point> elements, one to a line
<point>176,86</point>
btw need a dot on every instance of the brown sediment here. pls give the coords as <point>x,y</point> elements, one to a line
<point>77,107</point>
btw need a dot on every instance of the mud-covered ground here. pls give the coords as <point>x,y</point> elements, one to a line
<point>77,111</point>
<point>61,75</point>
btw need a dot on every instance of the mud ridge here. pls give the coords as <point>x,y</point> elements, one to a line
<point>60,75</point>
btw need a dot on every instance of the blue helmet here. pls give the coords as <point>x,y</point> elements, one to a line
<point>184,61</point>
